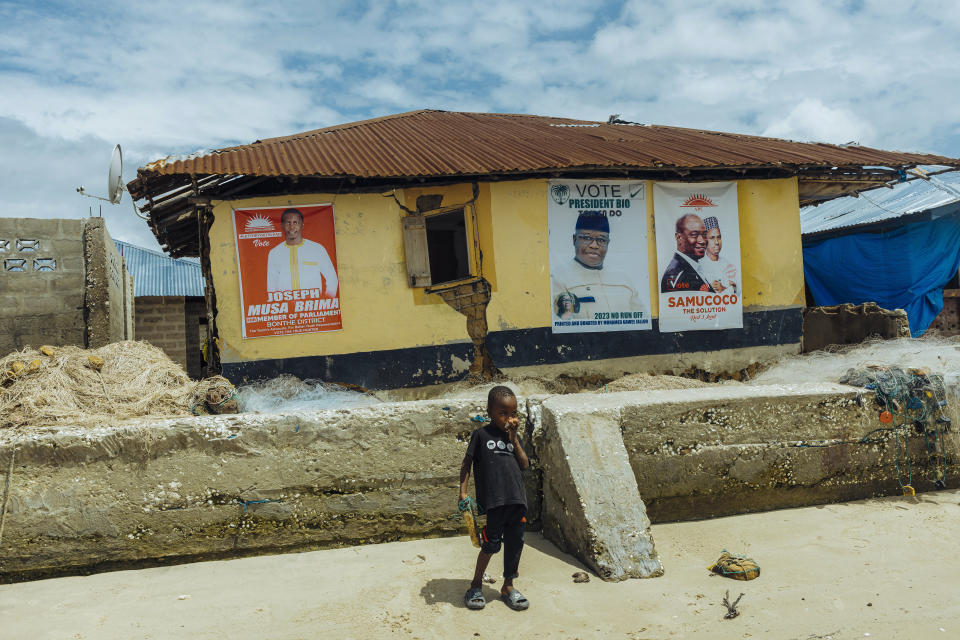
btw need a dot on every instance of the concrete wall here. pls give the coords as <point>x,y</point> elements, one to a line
<point>107,280</point>
<point>74,288</point>
<point>219,486</point>
<point>721,451</point>
<point>947,322</point>
<point>225,485</point>
<point>173,323</point>
<point>195,325</point>
<point>424,341</point>
<point>161,322</point>
<point>851,324</point>
<point>41,307</point>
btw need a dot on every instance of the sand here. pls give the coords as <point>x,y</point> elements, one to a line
<point>883,567</point>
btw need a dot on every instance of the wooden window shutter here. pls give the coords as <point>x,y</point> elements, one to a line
<point>415,245</point>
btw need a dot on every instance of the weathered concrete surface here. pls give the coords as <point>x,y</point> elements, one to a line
<point>63,283</point>
<point>217,486</point>
<point>845,324</point>
<point>700,453</point>
<point>591,505</point>
<point>41,307</point>
<point>106,307</point>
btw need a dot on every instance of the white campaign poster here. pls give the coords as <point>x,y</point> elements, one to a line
<point>698,255</point>
<point>599,275</point>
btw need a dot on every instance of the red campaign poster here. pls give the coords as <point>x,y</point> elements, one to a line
<point>287,265</point>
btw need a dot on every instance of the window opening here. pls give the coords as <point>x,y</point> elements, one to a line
<point>15,264</point>
<point>4,246</point>
<point>447,246</point>
<point>28,245</point>
<point>44,264</point>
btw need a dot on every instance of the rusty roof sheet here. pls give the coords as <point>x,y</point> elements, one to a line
<point>429,143</point>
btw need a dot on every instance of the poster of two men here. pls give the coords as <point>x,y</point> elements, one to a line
<point>600,275</point>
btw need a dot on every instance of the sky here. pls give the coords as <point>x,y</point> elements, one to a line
<point>77,78</point>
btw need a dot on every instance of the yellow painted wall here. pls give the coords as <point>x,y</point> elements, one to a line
<point>771,252</point>
<point>377,307</point>
<point>380,311</point>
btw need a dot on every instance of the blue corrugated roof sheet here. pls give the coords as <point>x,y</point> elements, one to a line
<point>940,196</point>
<point>156,274</point>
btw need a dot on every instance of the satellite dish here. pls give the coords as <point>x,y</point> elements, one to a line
<point>115,176</point>
<point>115,186</point>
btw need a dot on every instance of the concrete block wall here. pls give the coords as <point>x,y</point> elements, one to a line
<point>195,320</point>
<point>129,306</point>
<point>716,451</point>
<point>218,486</point>
<point>62,282</point>
<point>161,321</point>
<point>106,276</point>
<point>851,324</point>
<point>41,307</point>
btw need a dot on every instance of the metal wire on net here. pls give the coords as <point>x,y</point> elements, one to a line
<point>914,402</point>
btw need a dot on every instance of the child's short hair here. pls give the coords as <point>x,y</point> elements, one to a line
<point>499,394</point>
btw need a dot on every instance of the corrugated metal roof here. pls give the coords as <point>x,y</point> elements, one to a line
<point>940,195</point>
<point>441,143</point>
<point>155,274</point>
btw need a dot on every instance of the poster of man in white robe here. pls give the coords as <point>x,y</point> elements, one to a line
<point>599,275</point>
<point>287,266</point>
<point>698,256</point>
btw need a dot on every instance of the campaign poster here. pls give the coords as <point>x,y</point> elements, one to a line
<point>287,264</point>
<point>698,255</point>
<point>599,276</point>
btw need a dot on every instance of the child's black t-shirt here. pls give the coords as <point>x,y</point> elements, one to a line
<point>496,472</point>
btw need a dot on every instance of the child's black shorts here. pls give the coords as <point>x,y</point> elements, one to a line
<point>505,526</point>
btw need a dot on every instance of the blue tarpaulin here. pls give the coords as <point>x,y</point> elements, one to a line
<point>905,268</point>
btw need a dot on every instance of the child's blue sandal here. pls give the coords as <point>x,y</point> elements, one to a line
<point>474,599</point>
<point>515,600</point>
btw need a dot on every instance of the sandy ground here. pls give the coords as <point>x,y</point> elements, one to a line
<point>879,568</point>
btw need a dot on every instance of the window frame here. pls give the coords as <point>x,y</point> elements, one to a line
<point>416,248</point>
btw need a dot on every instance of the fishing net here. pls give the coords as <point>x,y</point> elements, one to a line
<point>93,387</point>
<point>288,393</point>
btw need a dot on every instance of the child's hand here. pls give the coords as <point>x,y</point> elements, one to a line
<point>513,425</point>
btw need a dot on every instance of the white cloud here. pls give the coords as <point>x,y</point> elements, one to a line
<point>167,78</point>
<point>811,120</point>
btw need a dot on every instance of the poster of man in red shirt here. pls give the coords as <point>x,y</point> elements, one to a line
<point>287,265</point>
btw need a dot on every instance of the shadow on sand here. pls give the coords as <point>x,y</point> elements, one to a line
<point>451,590</point>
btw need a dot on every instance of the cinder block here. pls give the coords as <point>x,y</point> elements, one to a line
<point>34,228</point>
<point>71,264</point>
<point>71,228</point>
<point>65,283</point>
<point>62,248</point>
<point>22,282</point>
<point>8,302</point>
<point>46,305</point>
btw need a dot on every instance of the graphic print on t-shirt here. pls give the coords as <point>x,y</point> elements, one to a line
<point>497,475</point>
<point>499,446</point>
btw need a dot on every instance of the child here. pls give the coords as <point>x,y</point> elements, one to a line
<point>497,459</point>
